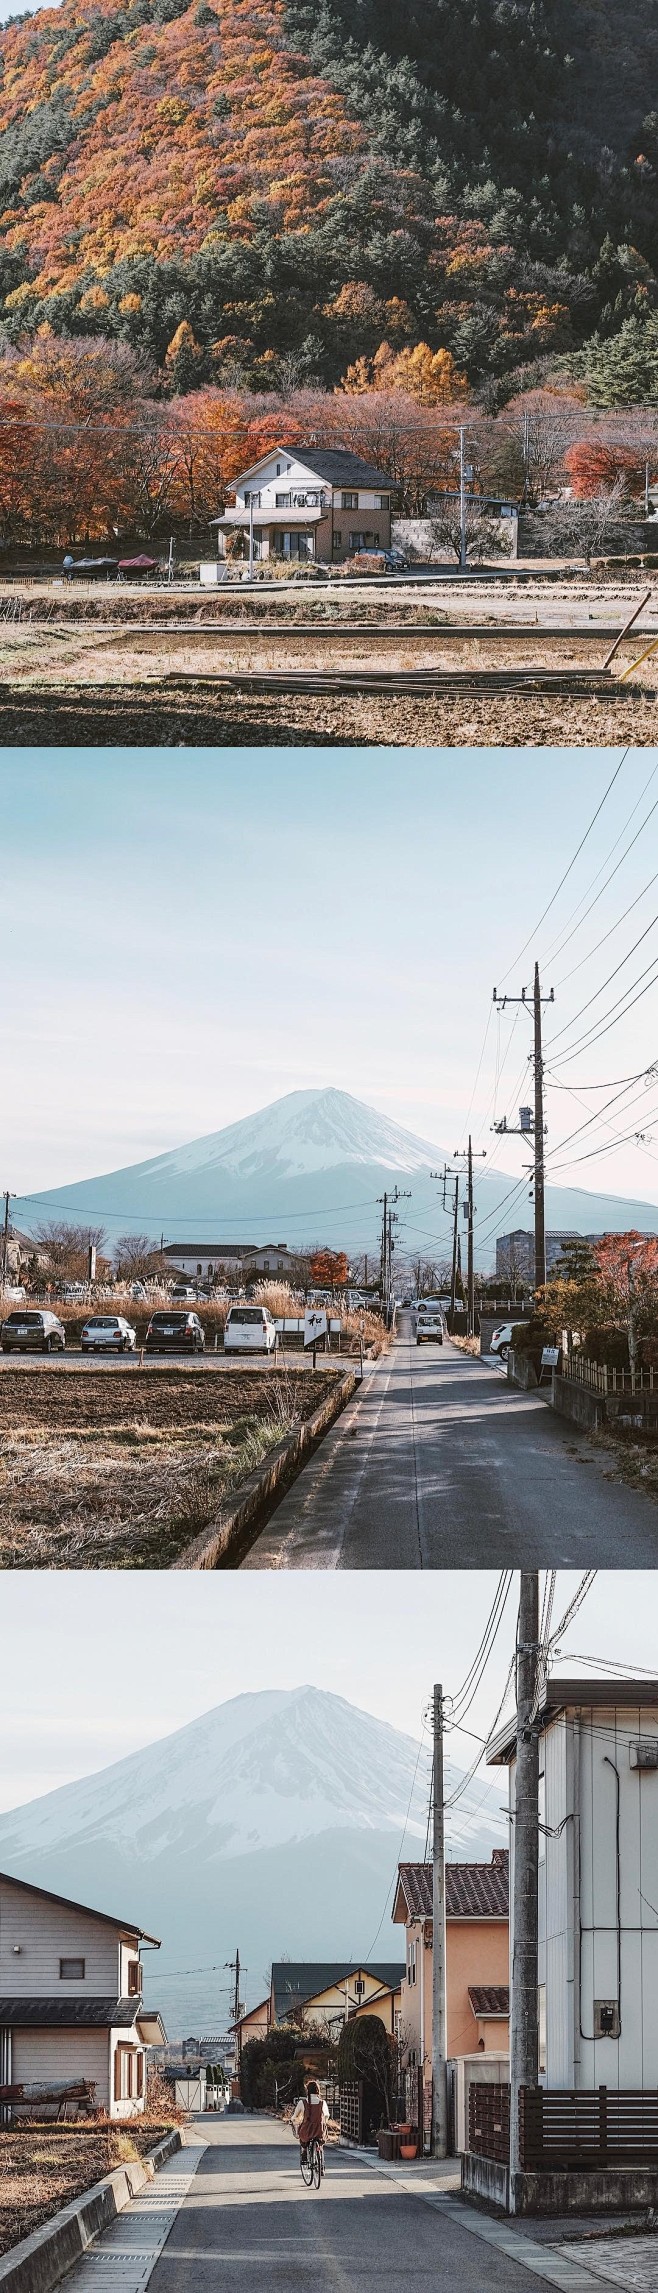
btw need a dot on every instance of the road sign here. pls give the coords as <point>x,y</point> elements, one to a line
<point>315,1325</point>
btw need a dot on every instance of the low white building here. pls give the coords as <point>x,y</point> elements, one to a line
<point>209,1261</point>
<point>598,1881</point>
<point>71,2005</point>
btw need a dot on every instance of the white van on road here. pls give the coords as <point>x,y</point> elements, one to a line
<point>430,1321</point>
<point>249,1329</point>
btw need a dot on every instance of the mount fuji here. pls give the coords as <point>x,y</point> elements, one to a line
<point>275,1822</point>
<point>310,1167</point>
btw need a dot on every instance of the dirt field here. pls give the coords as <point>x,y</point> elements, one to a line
<point>108,669</point>
<point>139,718</point>
<point>45,2167</point>
<point>122,1471</point>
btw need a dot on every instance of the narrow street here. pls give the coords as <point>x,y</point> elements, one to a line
<point>236,2213</point>
<point>440,1464</point>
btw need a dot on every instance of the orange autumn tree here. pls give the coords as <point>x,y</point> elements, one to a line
<point>430,377</point>
<point>329,1270</point>
<point>594,466</point>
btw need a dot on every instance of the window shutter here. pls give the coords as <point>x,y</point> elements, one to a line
<point>117,2074</point>
<point>139,2088</point>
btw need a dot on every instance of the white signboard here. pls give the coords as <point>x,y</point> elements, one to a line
<point>315,1325</point>
<point>550,1357</point>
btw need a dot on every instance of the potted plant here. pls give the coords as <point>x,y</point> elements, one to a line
<point>409,2148</point>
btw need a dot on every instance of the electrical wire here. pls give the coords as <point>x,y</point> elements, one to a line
<point>567,872</point>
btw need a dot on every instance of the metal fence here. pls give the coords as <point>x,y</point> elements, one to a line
<point>351,2110</point>
<point>488,2122</point>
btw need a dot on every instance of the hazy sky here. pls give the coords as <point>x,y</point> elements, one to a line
<point>187,934</point>
<point>180,1645</point>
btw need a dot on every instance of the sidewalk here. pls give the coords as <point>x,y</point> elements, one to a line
<point>582,2264</point>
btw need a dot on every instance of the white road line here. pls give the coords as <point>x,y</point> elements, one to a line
<point>125,2256</point>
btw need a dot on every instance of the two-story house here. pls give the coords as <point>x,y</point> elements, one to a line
<point>477,1959</point>
<point>71,2003</point>
<point>598,1880</point>
<point>309,502</point>
<point>323,1995</point>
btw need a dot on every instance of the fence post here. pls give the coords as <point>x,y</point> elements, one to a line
<point>603,2124</point>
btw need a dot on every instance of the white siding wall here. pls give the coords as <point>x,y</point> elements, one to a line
<point>580,1888</point>
<point>63,2054</point>
<point>45,1932</point>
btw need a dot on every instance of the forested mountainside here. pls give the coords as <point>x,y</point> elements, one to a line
<point>295,185</point>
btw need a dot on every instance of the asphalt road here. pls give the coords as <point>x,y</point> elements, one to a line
<point>248,2222</point>
<point>440,1464</point>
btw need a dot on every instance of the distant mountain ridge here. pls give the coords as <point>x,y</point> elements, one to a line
<point>310,1167</point>
<point>277,1817</point>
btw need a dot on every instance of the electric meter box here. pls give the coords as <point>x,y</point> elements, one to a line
<point>644,1753</point>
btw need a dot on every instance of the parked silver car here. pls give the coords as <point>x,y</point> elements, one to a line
<point>32,1331</point>
<point>106,1333</point>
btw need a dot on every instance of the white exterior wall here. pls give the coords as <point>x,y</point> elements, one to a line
<point>579,1872</point>
<point>44,1932</point>
<point>63,2054</point>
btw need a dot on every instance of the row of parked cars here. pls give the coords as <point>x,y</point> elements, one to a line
<point>38,1330</point>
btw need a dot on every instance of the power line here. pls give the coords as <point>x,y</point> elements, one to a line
<point>567,872</point>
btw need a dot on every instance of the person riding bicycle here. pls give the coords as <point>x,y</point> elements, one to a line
<point>310,2117</point>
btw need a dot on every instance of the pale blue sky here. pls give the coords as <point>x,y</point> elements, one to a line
<point>212,1637</point>
<point>186,934</point>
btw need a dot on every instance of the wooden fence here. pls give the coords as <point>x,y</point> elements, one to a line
<point>351,2110</point>
<point>566,2131</point>
<point>600,1379</point>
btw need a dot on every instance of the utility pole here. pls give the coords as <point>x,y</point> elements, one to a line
<point>532,1125</point>
<point>524,2049</point>
<point>389,1201</point>
<point>9,1197</point>
<point>462,501</point>
<point>439,2031</point>
<point>469,1213</point>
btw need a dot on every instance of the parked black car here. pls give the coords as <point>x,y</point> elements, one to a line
<point>173,1332</point>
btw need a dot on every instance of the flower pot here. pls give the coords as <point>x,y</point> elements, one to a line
<point>408,2149</point>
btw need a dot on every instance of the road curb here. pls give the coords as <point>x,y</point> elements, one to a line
<point>40,2261</point>
<point>216,1541</point>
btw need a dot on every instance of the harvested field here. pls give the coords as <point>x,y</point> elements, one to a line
<point>142,716</point>
<point>122,1471</point>
<point>45,2167</point>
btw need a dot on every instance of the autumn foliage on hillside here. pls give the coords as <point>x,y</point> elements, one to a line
<point>263,195</point>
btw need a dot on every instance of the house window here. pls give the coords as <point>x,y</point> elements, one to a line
<point>362,540</point>
<point>128,2074</point>
<point>349,501</point>
<point>382,501</point>
<point>71,1970</point>
<point>134,1978</point>
<point>411,1966</point>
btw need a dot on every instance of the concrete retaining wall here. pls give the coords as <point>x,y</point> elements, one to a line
<point>40,2261</point>
<point>237,1514</point>
<point>628,2189</point>
<point>629,1411</point>
<point>521,1372</point>
<point>577,1402</point>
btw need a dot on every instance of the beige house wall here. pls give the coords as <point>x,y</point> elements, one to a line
<point>477,1952</point>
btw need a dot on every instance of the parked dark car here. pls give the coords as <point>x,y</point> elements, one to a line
<point>33,1330</point>
<point>173,1332</point>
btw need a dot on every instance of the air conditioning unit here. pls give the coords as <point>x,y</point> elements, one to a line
<point>607,2022</point>
<point>644,1753</point>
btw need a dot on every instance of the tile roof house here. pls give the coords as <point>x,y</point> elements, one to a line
<point>309,502</point>
<point>325,1992</point>
<point>71,2006</point>
<point>477,1957</point>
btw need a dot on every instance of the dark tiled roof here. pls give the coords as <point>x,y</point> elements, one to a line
<point>489,1998</point>
<point>294,1981</point>
<point>473,1890</point>
<point>69,2013</point>
<point>341,468</point>
<point>123,1926</point>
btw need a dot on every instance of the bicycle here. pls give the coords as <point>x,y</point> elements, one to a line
<point>312,2163</point>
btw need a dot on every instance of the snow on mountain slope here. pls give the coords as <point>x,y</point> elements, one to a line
<point>275,1821</point>
<point>255,1773</point>
<point>312,1166</point>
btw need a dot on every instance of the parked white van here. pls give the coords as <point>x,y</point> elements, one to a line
<point>249,1329</point>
